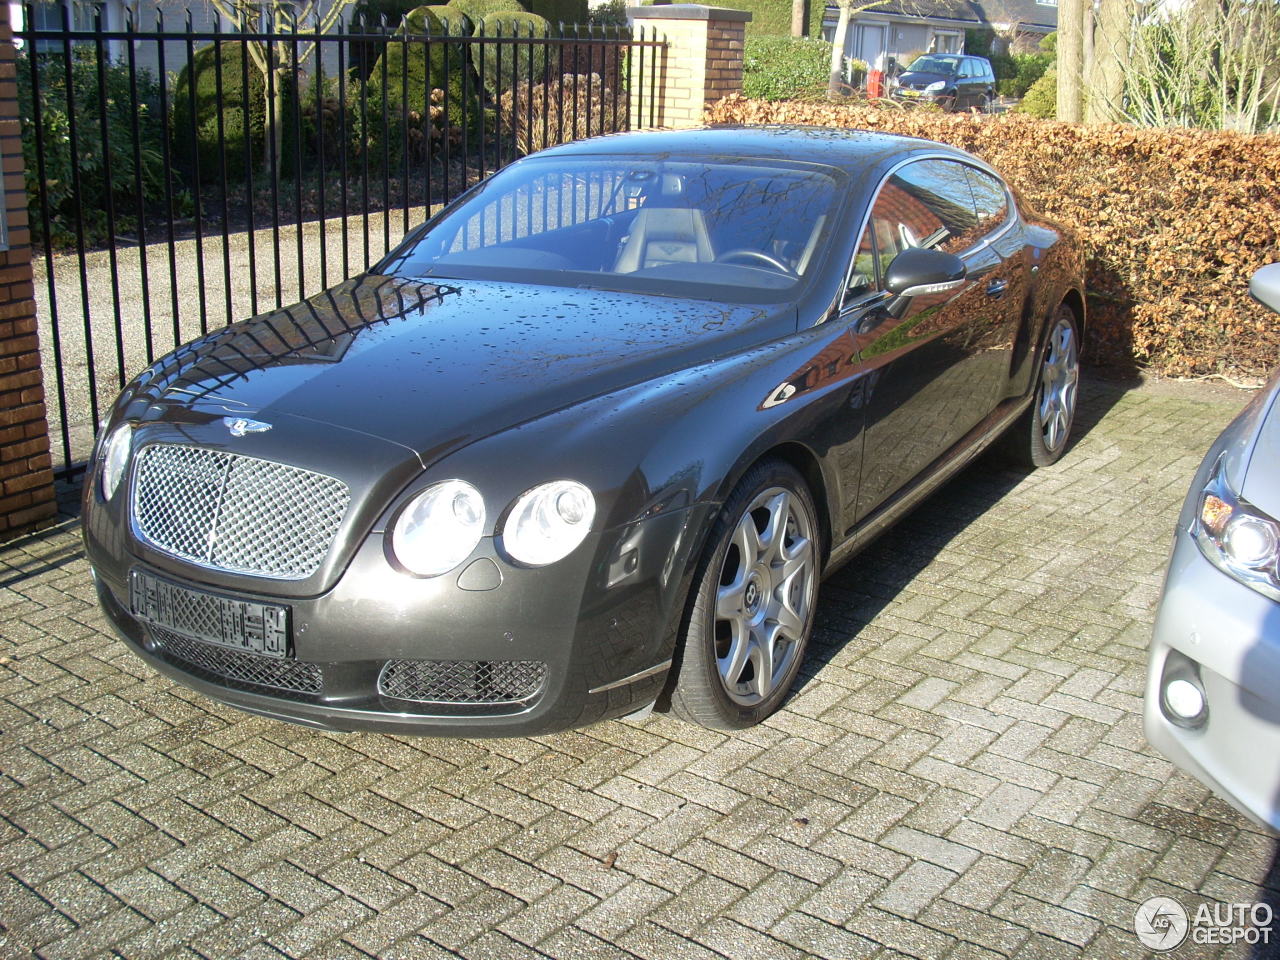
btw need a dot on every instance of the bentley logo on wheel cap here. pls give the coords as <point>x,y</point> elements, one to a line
<point>239,426</point>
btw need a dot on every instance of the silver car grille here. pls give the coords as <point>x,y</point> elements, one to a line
<point>234,513</point>
<point>462,681</point>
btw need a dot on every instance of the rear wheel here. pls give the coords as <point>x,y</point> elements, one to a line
<point>752,608</point>
<point>1040,436</point>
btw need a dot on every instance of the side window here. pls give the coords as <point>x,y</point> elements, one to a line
<point>990,198</point>
<point>865,277</point>
<point>966,69</point>
<point>925,204</point>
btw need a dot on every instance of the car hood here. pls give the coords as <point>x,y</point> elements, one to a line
<point>921,78</point>
<point>1261,484</point>
<point>434,366</point>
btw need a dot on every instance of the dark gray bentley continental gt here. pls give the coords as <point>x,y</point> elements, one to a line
<point>586,441</point>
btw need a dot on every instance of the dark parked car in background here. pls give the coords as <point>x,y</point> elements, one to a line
<point>588,439</point>
<point>1213,682</point>
<point>951,80</point>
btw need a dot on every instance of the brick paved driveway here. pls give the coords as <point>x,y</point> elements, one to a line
<point>962,773</point>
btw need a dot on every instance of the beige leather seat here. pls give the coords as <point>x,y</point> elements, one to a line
<point>661,235</point>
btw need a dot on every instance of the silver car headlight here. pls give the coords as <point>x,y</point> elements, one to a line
<point>115,458</point>
<point>935,86</point>
<point>1237,538</point>
<point>548,522</point>
<point>438,528</point>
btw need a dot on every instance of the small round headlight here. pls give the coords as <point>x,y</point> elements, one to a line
<point>115,458</point>
<point>439,528</point>
<point>1250,541</point>
<point>548,522</point>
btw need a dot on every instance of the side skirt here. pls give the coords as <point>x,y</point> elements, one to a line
<point>945,467</point>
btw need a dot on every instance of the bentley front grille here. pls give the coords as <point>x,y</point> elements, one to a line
<point>235,513</point>
<point>462,681</point>
<point>221,665</point>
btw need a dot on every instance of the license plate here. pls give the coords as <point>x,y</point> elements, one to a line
<point>261,628</point>
<point>909,93</point>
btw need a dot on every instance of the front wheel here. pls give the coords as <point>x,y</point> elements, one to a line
<point>752,608</point>
<point>1040,436</point>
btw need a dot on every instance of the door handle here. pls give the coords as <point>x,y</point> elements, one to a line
<point>996,288</point>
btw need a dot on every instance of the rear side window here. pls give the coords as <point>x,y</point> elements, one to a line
<point>989,197</point>
<point>932,206</point>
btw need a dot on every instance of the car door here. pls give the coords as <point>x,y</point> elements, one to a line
<point>964,85</point>
<point>1007,279</point>
<point>927,383</point>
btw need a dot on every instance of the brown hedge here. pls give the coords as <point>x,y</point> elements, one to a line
<point>1174,222</point>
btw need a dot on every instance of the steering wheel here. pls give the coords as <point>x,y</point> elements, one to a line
<point>756,255</point>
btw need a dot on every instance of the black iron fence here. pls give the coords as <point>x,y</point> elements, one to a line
<point>184,179</point>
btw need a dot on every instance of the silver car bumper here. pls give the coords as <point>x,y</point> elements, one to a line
<point>1231,636</point>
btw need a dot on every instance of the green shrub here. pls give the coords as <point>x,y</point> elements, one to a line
<point>373,16</point>
<point>1028,68</point>
<point>88,158</point>
<point>610,13</point>
<point>414,71</point>
<point>772,18</point>
<point>785,68</point>
<point>196,135</point>
<point>557,12</point>
<point>508,64</point>
<point>477,10</point>
<point>454,22</point>
<point>1041,99</point>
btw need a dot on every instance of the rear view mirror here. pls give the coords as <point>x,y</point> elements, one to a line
<point>1265,286</point>
<point>916,271</point>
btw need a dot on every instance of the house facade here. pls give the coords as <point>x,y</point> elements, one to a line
<point>899,29</point>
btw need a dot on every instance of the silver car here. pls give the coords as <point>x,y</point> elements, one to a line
<point>1213,682</point>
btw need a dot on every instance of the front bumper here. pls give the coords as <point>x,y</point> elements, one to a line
<point>1231,634</point>
<point>600,624</point>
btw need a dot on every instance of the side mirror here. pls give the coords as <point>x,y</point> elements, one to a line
<point>917,271</point>
<point>1265,286</point>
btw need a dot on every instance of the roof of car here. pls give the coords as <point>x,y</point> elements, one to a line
<point>852,150</point>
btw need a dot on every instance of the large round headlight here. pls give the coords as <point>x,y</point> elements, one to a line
<point>547,522</point>
<point>935,86</point>
<point>439,528</point>
<point>115,457</point>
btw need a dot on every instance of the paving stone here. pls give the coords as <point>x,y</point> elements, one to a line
<point>961,774</point>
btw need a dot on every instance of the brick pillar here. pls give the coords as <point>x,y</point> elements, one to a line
<point>702,63</point>
<point>26,478</point>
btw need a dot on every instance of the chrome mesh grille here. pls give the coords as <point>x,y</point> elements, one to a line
<point>462,681</point>
<point>235,513</point>
<point>220,664</point>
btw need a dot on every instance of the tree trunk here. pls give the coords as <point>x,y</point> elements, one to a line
<point>1110,62</point>
<point>275,125</point>
<point>799,18</point>
<point>836,86</point>
<point>1070,59</point>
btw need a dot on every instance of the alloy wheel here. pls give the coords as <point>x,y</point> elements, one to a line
<point>765,597</point>
<point>1058,380</point>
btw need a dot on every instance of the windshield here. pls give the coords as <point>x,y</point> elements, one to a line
<point>948,65</point>
<point>724,229</point>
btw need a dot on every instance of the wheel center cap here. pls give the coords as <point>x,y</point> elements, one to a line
<point>753,595</point>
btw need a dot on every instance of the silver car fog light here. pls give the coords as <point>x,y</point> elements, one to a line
<point>438,528</point>
<point>548,522</point>
<point>1182,697</point>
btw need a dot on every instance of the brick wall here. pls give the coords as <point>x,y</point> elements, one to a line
<point>702,62</point>
<point>26,476</point>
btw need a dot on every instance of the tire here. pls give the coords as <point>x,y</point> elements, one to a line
<point>752,603</point>
<point>1040,436</point>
